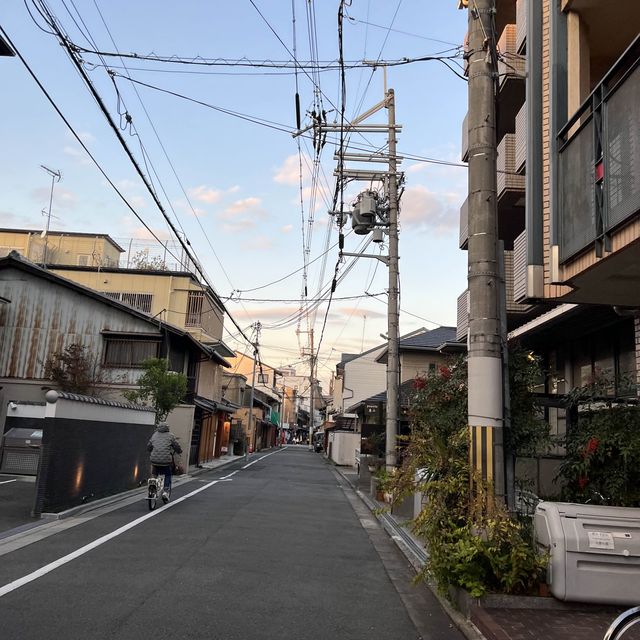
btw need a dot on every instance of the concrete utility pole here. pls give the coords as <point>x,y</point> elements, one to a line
<point>485,408</point>
<point>311,391</point>
<point>390,224</point>
<point>393,317</point>
<point>257,326</point>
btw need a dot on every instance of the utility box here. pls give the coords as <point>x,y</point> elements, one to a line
<point>594,551</point>
<point>363,216</point>
<point>21,451</point>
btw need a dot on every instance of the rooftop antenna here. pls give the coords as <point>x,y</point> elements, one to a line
<point>56,176</point>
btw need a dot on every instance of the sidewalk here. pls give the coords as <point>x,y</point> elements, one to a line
<point>502,618</point>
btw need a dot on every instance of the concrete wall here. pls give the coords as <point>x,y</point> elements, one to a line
<point>363,378</point>
<point>342,447</point>
<point>180,421</point>
<point>90,449</point>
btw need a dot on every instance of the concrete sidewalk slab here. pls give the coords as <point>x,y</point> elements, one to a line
<point>550,620</point>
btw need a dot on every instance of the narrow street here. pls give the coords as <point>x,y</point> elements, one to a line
<point>272,549</point>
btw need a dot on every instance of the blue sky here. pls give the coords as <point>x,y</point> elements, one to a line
<point>242,179</point>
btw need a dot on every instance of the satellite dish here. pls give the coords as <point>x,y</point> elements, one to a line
<point>43,234</point>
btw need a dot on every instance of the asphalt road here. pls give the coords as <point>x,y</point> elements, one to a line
<point>277,550</point>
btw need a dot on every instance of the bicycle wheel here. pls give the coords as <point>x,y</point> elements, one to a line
<point>152,498</point>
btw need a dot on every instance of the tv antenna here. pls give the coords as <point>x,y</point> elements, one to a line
<point>56,176</point>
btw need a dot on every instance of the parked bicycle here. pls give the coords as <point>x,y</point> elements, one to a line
<point>622,624</point>
<point>157,491</point>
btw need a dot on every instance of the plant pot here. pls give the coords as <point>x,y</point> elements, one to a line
<point>380,496</point>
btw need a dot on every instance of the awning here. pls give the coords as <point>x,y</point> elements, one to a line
<point>214,406</point>
<point>275,418</point>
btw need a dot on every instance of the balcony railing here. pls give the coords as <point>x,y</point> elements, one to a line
<point>507,180</point>
<point>521,26</point>
<point>462,325</point>
<point>599,160</point>
<point>521,140</point>
<point>464,224</point>
<point>511,65</point>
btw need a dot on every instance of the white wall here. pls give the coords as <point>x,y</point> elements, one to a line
<point>342,447</point>
<point>363,377</point>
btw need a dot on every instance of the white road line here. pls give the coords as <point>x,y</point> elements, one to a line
<point>233,473</point>
<point>7,481</point>
<point>38,573</point>
<point>246,466</point>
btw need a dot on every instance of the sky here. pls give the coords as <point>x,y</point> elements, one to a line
<point>230,185</point>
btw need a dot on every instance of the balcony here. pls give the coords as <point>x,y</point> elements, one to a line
<point>520,157</point>
<point>511,84</point>
<point>515,269</point>
<point>599,162</point>
<point>510,185</point>
<point>462,326</point>
<point>520,267</point>
<point>521,26</point>
<point>464,225</point>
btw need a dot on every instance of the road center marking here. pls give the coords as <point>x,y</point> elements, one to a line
<point>38,573</point>
<point>246,466</point>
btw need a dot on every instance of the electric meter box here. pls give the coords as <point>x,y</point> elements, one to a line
<point>594,551</point>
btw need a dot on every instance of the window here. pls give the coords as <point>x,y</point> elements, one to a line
<point>84,259</point>
<point>140,301</point>
<point>194,309</point>
<point>129,352</point>
<point>263,378</point>
<point>432,368</point>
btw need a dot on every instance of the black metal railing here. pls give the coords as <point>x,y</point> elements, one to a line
<point>622,624</point>
<point>599,160</point>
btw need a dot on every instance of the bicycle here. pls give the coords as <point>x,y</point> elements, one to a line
<point>156,490</point>
<point>622,624</point>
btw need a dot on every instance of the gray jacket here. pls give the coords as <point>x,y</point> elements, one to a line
<point>162,444</point>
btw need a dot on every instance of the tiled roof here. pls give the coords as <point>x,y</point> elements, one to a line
<point>406,391</point>
<point>430,339</point>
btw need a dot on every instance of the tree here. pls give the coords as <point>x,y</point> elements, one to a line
<point>158,387</point>
<point>75,369</point>
<point>142,260</point>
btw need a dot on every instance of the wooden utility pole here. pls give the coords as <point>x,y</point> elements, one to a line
<point>485,403</point>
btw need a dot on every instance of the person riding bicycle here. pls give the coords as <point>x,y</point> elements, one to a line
<point>162,445</point>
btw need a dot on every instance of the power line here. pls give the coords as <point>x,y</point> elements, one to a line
<point>77,137</point>
<point>184,243</point>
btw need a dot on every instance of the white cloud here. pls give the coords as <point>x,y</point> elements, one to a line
<point>260,243</point>
<point>205,194</point>
<point>126,184</point>
<point>62,198</point>
<point>242,206</point>
<point>426,210</point>
<point>137,202</point>
<point>238,226</point>
<point>289,171</point>
<point>288,228</point>
<point>77,154</point>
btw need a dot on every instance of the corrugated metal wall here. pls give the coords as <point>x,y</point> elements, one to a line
<point>44,317</point>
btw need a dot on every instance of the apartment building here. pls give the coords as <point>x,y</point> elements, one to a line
<point>568,188</point>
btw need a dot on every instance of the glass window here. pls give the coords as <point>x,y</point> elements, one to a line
<point>129,352</point>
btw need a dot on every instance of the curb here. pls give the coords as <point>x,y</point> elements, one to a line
<point>48,518</point>
<point>416,555</point>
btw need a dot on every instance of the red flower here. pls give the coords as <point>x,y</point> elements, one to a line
<point>582,482</point>
<point>445,372</point>
<point>592,445</point>
<point>419,383</point>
